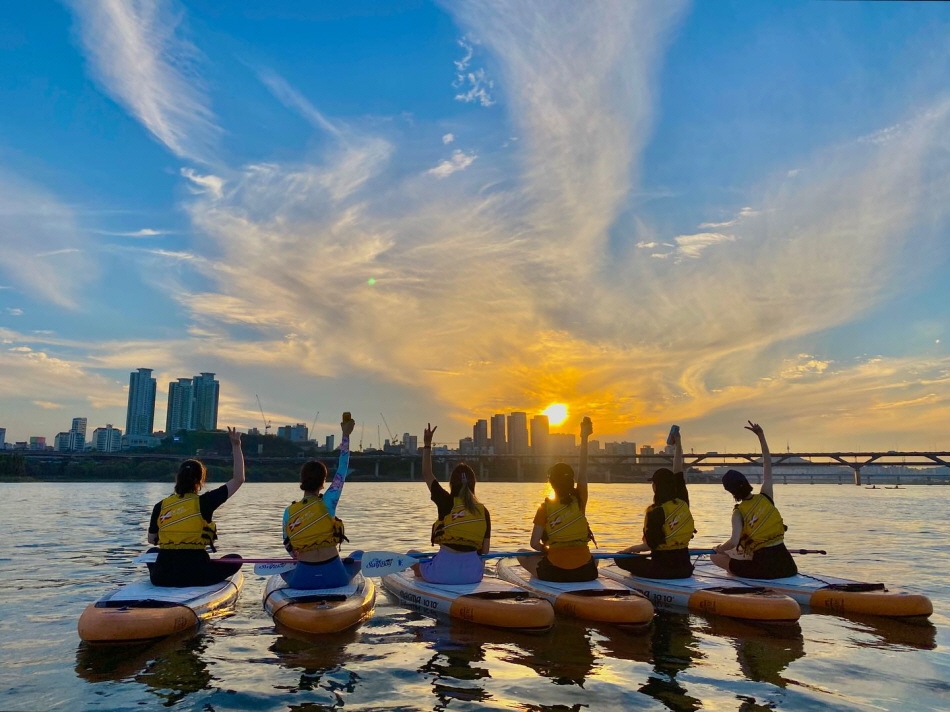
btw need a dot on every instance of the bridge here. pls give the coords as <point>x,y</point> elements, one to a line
<point>701,467</point>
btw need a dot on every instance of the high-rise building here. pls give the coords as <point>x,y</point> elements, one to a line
<point>410,443</point>
<point>330,447</point>
<point>37,442</point>
<point>466,446</point>
<point>61,442</point>
<point>180,414</point>
<point>3,438</point>
<point>540,427</point>
<point>77,435</point>
<point>206,402</point>
<point>107,439</point>
<point>140,415</point>
<point>480,437</point>
<point>562,443</point>
<point>621,448</point>
<point>298,433</point>
<point>518,433</point>
<point>498,441</point>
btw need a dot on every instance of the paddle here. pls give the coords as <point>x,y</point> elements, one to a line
<point>149,557</point>
<point>383,563</point>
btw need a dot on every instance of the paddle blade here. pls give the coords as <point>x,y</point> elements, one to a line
<point>272,569</point>
<point>149,557</point>
<point>382,563</point>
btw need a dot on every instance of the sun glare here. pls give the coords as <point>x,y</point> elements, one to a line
<point>556,412</point>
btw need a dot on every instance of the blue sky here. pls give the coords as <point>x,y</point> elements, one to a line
<point>651,212</point>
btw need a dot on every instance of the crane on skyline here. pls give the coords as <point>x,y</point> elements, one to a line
<point>264,417</point>
<point>392,438</point>
<point>313,425</point>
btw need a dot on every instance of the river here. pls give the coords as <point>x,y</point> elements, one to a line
<point>67,544</point>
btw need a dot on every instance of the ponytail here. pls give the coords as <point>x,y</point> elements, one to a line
<point>561,477</point>
<point>462,485</point>
<point>191,474</point>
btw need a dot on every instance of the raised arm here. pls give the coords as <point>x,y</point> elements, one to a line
<point>427,455</point>
<point>332,495</point>
<point>677,452</point>
<point>587,429</point>
<point>766,488</point>
<point>237,479</point>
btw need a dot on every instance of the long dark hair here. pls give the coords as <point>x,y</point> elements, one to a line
<point>462,484</point>
<point>665,486</point>
<point>313,475</point>
<point>561,477</point>
<point>191,475</point>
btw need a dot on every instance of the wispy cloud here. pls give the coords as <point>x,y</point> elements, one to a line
<point>143,233</point>
<point>138,53</point>
<point>293,99</point>
<point>474,85</point>
<point>204,183</point>
<point>48,405</point>
<point>447,139</point>
<point>14,311</point>
<point>458,162</point>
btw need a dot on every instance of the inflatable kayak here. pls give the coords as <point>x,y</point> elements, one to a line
<point>830,594</point>
<point>490,602</point>
<point>141,611</point>
<point>328,610</point>
<point>602,600</point>
<point>753,603</point>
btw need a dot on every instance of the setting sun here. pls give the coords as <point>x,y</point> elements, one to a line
<point>556,412</point>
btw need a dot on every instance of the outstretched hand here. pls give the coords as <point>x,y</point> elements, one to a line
<point>347,424</point>
<point>755,428</point>
<point>427,435</point>
<point>587,427</point>
<point>234,436</point>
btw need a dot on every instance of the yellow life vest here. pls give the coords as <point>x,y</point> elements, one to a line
<point>181,526</point>
<point>566,525</point>
<point>460,527</point>
<point>762,524</point>
<point>678,526</point>
<point>309,525</point>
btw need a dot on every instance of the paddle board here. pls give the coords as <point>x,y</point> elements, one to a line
<point>327,610</point>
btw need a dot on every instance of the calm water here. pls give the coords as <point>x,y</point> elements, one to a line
<point>67,545</point>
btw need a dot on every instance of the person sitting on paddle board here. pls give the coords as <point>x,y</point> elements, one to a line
<point>312,531</point>
<point>757,526</point>
<point>561,531</point>
<point>181,526</point>
<point>463,527</point>
<point>667,525</point>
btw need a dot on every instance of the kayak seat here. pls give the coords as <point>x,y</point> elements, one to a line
<point>856,587</point>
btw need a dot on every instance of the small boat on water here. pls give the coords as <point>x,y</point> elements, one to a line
<point>831,594</point>
<point>752,603</point>
<point>329,610</point>
<point>489,602</point>
<point>140,611</point>
<point>603,600</point>
<point>894,487</point>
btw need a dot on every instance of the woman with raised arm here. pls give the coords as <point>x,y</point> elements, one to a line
<point>462,529</point>
<point>181,526</point>
<point>312,531</point>
<point>757,526</point>
<point>667,525</point>
<point>561,531</point>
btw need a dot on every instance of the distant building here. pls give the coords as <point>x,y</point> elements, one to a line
<point>480,437</point>
<point>180,414</point>
<point>518,433</point>
<point>61,442</point>
<point>540,429</point>
<point>107,439</point>
<point>206,401</point>
<point>298,433</point>
<point>466,446</point>
<point>140,414</point>
<point>3,438</point>
<point>329,443</point>
<point>646,450</point>
<point>562,443</point>
<point>140,441</point>
<point>499,442</point>
<point>37,442</point>
<point>410,443</point>
<point>622,448</point>
<point>593,446</point>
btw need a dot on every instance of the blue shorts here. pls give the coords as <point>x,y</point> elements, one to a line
<point>453,567</point>
<point>332,573</point>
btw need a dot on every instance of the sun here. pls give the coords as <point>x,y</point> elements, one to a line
<point>556,412</point>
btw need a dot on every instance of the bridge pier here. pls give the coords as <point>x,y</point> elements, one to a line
<point>412,470</point>
<point>857,475</point>
<point>377,470</point>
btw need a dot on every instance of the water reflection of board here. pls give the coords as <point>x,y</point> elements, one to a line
<point>330,610</point>
<point>489,602</point>
<point>831,594</point>
<point>755,603</point>
<point>141,611</point>
<point>602,600</point>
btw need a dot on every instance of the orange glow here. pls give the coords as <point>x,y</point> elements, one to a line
<point>556,412</point>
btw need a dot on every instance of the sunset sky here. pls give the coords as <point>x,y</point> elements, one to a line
<point>651,212</point>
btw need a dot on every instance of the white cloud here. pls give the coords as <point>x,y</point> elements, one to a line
<point>448,138</point>
<point>458,162</point>
<point>204,183</point>
<point>692,246</point>
<point>137,53</point>
<point>48,405</point>
<point>474,85</point>
<point>14,311</point>
<point>293,99</point>
<point>144,232</point>
<point>64,251</point>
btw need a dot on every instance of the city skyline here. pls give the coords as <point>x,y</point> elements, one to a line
<point>445,211</point>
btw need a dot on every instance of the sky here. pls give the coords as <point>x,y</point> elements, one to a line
<point>652,213</point>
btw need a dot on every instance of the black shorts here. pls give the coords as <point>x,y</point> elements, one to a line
<point>549,572</point>
<point>180,568</point>
<point>671,564</point>
<point>770,562</point>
